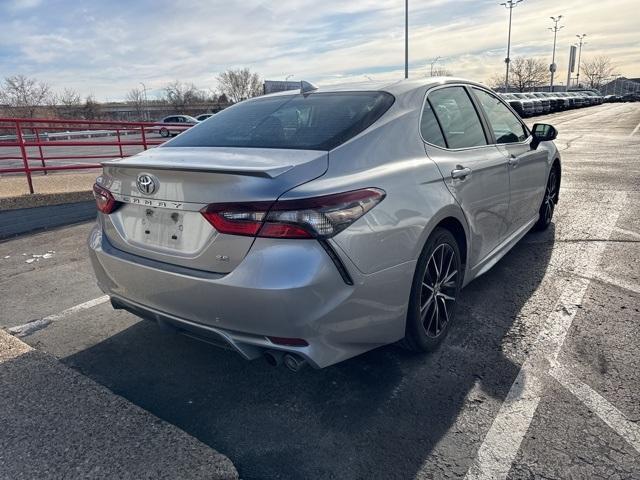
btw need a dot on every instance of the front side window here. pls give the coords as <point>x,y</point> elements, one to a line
<point>457,117</point>
<point>505,125</point>
<point>316,121</point>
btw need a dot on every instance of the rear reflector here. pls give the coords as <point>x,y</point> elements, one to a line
<point>104,200</point>
<point>289,342</point>
<point>316,217</point>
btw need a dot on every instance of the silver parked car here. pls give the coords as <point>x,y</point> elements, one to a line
<point>176,124</point>
<point>312,226</point>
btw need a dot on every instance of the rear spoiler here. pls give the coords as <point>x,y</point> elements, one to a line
<point>268,172</point>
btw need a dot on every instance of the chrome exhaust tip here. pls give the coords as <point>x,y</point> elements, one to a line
<point>294,363</point>
<point>273,357</point>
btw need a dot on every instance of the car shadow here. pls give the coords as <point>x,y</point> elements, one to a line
<point>379,415</point>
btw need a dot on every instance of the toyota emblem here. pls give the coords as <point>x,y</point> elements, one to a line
<point>146,184</point>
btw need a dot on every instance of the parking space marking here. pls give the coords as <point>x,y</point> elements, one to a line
<point>502,442</point>
<point>628,232</point>
<point>635,130</point>
<point>617,282</point>
<point>609,414</point>
<point>35,325</point>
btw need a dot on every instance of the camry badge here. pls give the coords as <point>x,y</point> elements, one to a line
<point>146,183</point>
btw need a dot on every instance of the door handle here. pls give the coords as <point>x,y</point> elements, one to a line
<point>514,161</point>
<point>460,172</point>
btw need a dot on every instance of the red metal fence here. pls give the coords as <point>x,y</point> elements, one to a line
<point>29,146</point>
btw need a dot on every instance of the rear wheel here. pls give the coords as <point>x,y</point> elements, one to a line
<point>434,293</point>
<point>164,132</point>
<point>549,201</point>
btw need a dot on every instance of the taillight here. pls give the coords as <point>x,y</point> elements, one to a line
<point>104,200</point>
<point>317,217</point>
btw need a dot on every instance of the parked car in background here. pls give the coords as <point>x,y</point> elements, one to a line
<point>202,117</point>
<point>537,103</point>
<point>579,100</point>
<point>180,121</point>
<point>524,107</point>
<point>547,104</point>
<point>570,98</point>
<point>241,232</point>
<point>630,97</point>
<point>558,104</point>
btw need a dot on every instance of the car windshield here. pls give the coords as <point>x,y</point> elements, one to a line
<point>316,121</point>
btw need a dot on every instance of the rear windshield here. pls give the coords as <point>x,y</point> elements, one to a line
<point>316,121</point>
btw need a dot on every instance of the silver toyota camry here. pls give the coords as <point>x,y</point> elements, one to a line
<point>311,226</point>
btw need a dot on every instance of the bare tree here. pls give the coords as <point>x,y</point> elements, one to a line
<point>497,81</point>
<point>137,99</point>
<point>180,95</point>
<point>91,108</point>
<point>24,94</point>
<point>597,70</point>
<point>67,104</point>
<point>238,85</point>
<point>528,73</point>
<point>440,72</point>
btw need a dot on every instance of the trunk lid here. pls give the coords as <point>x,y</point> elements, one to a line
<point>164,189</point>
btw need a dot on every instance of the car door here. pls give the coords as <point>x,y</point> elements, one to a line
<point>527,166</point>
<point>473,169</point>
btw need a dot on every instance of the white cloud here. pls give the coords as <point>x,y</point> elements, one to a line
<point>107,49</point>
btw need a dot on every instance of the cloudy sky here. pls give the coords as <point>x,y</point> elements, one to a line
<point>106,48</point>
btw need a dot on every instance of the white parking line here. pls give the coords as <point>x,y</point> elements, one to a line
<point>631,233</point>
<point>502,442</point>
<point>35,325</point>
<point>635,130</point>
<point>599,405</point>
<point>617,282</point>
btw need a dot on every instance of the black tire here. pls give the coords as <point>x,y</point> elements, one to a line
<point>549,200</point>
<point>164,132</point>
<point>433,299</point>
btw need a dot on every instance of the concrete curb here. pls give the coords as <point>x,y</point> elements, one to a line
<point>57,423</point>
<point>43,200</point>
<point>25,220</point>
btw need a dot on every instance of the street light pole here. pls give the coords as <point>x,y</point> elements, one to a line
<point>554,29</point>
<point>146,102</point>
<point>510,4</point>
<point>406,38</point>
<point>581,37</point>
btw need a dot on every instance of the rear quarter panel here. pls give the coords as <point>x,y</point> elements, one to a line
<point>391,156</point>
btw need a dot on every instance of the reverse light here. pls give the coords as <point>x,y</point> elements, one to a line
<point>104,200</point>
<point>316,217</point>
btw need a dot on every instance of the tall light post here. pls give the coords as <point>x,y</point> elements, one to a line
<point>146,103</point>
<point>581,37</point>
<point>554,29</point>
<point>510,4</point>
<point>406,38</point>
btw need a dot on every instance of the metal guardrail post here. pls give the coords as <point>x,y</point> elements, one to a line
<point>119,142</point>
<point>40,149</point>
<point>23,152</point>
<point>144,137</point>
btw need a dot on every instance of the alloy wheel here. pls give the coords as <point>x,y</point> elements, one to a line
<point>439,286</point>
<point>550,197</point>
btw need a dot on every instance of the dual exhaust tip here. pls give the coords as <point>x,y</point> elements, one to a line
<point>293,362</point>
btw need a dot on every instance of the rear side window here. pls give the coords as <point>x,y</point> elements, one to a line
<point>457,117</point>
<point>429,127</point>
<point>316,121</point>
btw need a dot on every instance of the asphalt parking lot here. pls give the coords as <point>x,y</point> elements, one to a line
<point>539,378</point>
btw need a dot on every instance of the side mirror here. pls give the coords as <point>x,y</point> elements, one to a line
<point>543,132</point>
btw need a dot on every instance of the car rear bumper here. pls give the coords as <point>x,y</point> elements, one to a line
<point>282,288</point>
